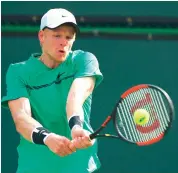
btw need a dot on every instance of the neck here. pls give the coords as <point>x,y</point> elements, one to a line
<point>48,61</point>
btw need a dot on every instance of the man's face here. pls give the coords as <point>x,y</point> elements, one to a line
<point>57,43</point>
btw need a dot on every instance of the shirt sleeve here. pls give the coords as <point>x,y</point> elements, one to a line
<point>15,86</point>
<point>86,64</point>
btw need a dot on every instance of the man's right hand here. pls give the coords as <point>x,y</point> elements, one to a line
<point>60,145</point>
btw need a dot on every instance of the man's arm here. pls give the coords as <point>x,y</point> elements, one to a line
<point>26,126</point>
<point>21,113</point>
<point>81,88</point>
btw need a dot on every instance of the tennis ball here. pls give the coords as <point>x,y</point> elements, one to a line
<point>141,117</point>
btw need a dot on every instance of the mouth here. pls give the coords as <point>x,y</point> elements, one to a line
<point>61,51</point>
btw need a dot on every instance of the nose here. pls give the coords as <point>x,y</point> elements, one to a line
<point>63,42</point>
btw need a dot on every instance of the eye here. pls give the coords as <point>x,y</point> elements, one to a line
<point>57,36</point>
<point>68,37</point>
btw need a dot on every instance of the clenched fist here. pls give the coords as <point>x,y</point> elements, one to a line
<point>80,137</point>
<point>60,145</point>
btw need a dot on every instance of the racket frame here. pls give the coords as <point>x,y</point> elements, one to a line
<point>132,90</point>
<point>114,113</point>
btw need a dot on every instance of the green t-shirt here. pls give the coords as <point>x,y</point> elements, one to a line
<point>47,89</point>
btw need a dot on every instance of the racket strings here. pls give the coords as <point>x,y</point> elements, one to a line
<point>154,127</point>
<point>151,100</point>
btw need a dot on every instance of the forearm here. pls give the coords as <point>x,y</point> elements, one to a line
<point>25,125</point>
<point>81,89</point>
<point>74,106</point>
<point>21,114</point>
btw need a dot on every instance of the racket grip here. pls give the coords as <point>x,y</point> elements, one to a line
<point>92,136</point>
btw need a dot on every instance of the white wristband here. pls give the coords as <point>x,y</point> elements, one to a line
<point>46,137</point>
<point>75,126</point>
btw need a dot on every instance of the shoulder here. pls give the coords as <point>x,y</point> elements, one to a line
<point>17,67</point>
<point>15,71</point>
<point>22,68</point>
<point>79,55</point>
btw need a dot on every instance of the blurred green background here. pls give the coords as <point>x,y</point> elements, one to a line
<point>94,8</point>
<point>124,63</point>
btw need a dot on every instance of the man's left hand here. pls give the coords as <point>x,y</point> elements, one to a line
<point>80,137</point>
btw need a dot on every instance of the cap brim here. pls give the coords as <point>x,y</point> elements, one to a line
<point>70,23</point>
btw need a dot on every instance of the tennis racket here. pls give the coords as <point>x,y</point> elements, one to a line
<point>151,98</point>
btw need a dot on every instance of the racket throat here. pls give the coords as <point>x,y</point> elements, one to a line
<point>106,121</point>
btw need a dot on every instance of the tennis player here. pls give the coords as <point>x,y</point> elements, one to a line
<point>49,96</point>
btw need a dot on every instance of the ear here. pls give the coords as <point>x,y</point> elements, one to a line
<point>75,37</point>
<point>41,36</point>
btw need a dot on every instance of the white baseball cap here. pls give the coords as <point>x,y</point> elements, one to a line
<point>56,17</point>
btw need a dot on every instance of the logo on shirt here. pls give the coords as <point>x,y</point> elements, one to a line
<point>58,80</point>
<point>91,165</point>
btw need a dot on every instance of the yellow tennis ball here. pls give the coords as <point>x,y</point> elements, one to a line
<point>141,117</point>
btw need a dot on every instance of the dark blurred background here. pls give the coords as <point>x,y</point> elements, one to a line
<point>135,42</point>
